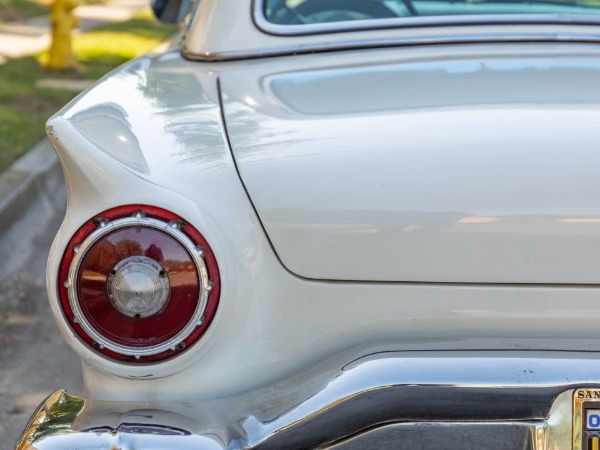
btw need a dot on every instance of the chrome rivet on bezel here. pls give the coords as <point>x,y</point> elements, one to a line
<point>100,222</point>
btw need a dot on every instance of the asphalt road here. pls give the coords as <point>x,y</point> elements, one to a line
<point>34,359</point>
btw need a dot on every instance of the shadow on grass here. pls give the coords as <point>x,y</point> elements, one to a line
<point>20,9</point>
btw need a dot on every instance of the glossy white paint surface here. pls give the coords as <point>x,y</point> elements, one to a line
<point>439,165</point>
<point>152,133</point>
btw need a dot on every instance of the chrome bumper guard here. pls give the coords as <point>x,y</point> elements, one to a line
<point>387,400</point>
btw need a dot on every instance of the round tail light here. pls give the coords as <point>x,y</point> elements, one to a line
<point>139,283</point>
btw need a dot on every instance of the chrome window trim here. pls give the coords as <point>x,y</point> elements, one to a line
<point>267,27</point>
<point>387,42</point>
<point>104,229</point>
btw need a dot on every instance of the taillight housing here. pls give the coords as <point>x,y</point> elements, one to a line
<point>139,283</point>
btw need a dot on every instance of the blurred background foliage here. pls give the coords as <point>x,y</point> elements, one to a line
<point>25,104</point>
<point>21,9</point>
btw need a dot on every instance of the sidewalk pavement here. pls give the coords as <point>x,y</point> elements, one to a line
<point>31,36</point>
<point>32,191</point>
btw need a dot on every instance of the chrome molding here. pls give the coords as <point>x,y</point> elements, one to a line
<point>438,38</point>
<point>172,229</point>
<point>56,425</point>
<point>440,387</point>
<point>445,435</point>
<point>44,423</point>
<point>528,396</point>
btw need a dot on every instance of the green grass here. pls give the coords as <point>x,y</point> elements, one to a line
<point>20,9</point>
<point>24,107</point>
<point>100,50</point>
<point>13,129</point>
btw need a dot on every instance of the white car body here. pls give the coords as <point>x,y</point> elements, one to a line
<point>408,207</point>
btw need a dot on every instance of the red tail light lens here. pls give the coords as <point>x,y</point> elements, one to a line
<point>139,283</point>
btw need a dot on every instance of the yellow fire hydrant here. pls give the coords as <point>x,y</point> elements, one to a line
<point>63,21</point>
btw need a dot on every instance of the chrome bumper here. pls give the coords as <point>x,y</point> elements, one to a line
<point>386,400</point>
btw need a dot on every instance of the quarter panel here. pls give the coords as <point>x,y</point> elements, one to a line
<point>459,164</point>
<point>270,323</point>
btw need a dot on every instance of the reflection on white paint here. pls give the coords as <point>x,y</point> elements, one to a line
<point>250,101</point>
<point>410,228</point>
<point>581,220</point>
<point>478,220</point>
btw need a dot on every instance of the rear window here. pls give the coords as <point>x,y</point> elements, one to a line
<point>313,12</point>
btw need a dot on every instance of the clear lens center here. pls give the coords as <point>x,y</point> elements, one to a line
<point>138,287</point>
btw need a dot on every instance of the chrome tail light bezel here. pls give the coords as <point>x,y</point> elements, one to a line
<point>151,217</point>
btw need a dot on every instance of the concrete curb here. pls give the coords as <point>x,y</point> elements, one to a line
<point>32,192</point>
